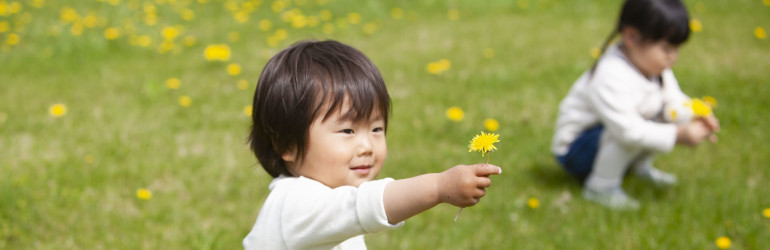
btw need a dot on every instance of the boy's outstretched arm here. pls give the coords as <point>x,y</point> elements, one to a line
<point>461,185</point>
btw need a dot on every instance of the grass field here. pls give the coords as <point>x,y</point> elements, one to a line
<point>72,180</point>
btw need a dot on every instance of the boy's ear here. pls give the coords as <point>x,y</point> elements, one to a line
<point>631,36</point>
<point>290,155</point>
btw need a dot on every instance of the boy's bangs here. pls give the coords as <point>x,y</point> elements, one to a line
<point>364,99</point>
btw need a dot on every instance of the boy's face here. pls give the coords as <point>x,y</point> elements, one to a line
<point>341,152</point>
<point>654,57</point>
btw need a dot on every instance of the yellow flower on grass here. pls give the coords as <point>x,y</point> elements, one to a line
<point>173,83</point>
<point>265,25</point>
<point>111,33</point>
<point>217,52</point>
<point>354,18</point>
<point>144,41</point>
<point>453,14</point>
<point>760,33</point>
<point>397,13</point>
<point>484,143</point>
<point>143,194</point>
<point>767,2</point>
<point>533,203</point>
<point>12,39</point>
<point>723,242</point>
<point>766,213</point>
<point>187,14</point>
<point>247,110</point>
<point>455,114</point>
<point>695,25</point>
<point>438,67</point>
<point>4,26</point>
<point>595,52</point>
<point>57,110</point>
<point>491,124</point>
<point>489,53</point>
<point>243,84</point>
<point>185,101</point>
<point>169,33</point>
<point>234,69</point>
<point>699,107</point>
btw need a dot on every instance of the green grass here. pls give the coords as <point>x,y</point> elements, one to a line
<point>70,182</point>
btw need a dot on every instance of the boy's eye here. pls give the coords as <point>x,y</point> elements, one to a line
<point>347,131</point>
<point>378,129</point>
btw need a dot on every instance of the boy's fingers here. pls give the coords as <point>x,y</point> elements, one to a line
<point>713,138</point>
<point>487,169</point>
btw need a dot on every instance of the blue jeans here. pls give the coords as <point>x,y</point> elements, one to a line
<point>579,160</point>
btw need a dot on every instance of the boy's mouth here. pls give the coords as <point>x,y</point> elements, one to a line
<point>362,170</point>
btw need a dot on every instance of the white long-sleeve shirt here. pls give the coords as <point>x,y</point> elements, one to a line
<point>301,213</point>
<point>622,99</point>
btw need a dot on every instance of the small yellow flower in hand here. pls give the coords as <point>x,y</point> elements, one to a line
<point>485,142</point>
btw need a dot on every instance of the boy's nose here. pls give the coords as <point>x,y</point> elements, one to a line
<point>364,145</point>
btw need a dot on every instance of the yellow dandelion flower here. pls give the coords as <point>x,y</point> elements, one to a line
<point>4,27</point>
<point>328,28</point>
<point>143,194</point>
<point>397,13</point>
<point>185,101</point>
<point>484,143</point>
<point>169,33</point>
<point>189,41</point>
<point>277,6</point>
<point>455,114</point>
<point>453,14</point>
<point>265,25</point>
<point>111,33</point>
<point>151,19</point>
<point>370,28</point>
<point>38,3</point>
<point>595,52</point>
<point>325,15</point>
<point>89,159</point>
<point>760,33</point>
<point>247,110</point>
<point>234,69</point>
<point>68,15</point>
<point>272,41</point>
<point>354,18</point>
<point>173,83</point>
<point>700,108</point>
<point>241,17</point>
<point>76,29</point>
<point>489,53</point>
<point>114,2</point>
<point>723,242</point>
<point>187,14</point>
<point>696,25</point>
<point>217,52</point>
<point>533,203</point>
<point>57,110</point>
<point>710,100</point>
<point>12,39</point>
<point>243,84</point>
<point>438,67</point>
<point>491,124</point>
<point>767,2</point>
<point>144,41</point>
<point>766,213</point>
<point>90,20</point>
<point>299,21</point>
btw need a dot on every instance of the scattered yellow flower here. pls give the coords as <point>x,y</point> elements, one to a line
<point>484,143</point>
<point>354,18</point>
<point>143,194</point>
<point>491,124</point>
<point>453,14</point>
<point>766,213</point>
<point>760,33</point>
<point>489,53</point>
<point>187,15</point>
<point>247,110</point>
<point>57,110</point>
<point>699,107</point>
<point>328,28</point>
<point>325,15</point>
<point>76,29</point>
<point>169,33</point>
<point>438,67</point>
<point>12,39</point>
<point>4,26</point>
<point>265,25</point>
<point>696,25</point>
<point>243,84</point>
<point>217,52</point>
<point>397,13</point>
<point>595,52</point>
<point>710,100</point>
<point>173,83</point>
<point>144,41</point>
<point>455,114</point>
<point>533,203</point>
<point>278,6</point>
<point>281,34</point>
<point>234,69</point>
<point>723,242</point>
<point>185,101</point>
<point>111,33</point>
<point>241,17</point>
<point>767,2</point>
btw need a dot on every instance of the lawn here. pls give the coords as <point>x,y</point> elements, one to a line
<point>118,132</point>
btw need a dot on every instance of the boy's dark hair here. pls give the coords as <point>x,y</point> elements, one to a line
<point>655,20</point>
<point>295,87</point>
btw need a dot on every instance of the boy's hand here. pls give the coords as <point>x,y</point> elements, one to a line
<point>464,185</point>
<point>712,123</point>
<point>692,133</point>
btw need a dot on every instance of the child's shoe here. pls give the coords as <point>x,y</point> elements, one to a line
<point>657,177</point>
<point>613,198</point>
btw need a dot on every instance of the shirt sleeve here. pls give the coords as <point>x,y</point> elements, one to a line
<point>615,101</point>
<point>672,93</point>
<point>316,216</point>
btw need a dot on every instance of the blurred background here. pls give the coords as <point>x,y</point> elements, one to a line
<point>123,122</point>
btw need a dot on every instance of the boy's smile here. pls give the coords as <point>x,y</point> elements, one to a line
<point>341,152</point>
